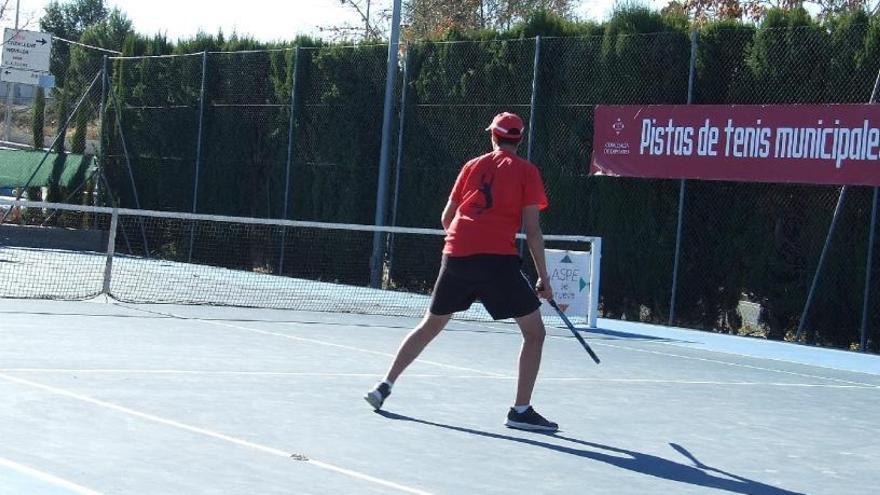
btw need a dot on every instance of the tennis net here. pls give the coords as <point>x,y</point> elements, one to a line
<point>72,252</point>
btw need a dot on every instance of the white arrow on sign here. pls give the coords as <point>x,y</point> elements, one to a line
<point>28,50</point>
<point>20,76</point>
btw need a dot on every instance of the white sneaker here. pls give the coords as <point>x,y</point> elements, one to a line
<point>378,395</point>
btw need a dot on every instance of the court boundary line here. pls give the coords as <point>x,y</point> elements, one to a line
<point>257,373</point>
<point>729,363</point>
<point>682,343</point>
<point>669,354</point>
<point>350,348</point>
<point>506,327</point>
<point>47,477</point>
<point>745,366</point>
<point>306,339</point>
<point>212,434</point>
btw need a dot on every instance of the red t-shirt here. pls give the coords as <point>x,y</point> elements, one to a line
<point>491,191</point>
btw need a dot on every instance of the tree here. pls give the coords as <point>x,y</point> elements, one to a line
<point>5,6</point>
<point>39,123</point>
<point>434,18</point>
<point>374,14</point>
<point>8,15</point>
<point>429,18</point>
<point>83,63</point>
<point>703,11</point>
<point>69,20</point>
<point>81,122</point>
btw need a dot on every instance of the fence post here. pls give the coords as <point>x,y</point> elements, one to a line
<point>291,138</point>
<point>376,261</point>
<point>137,201</point>
<point>10,90</point>
<point>111,250</point>
<point>872,229</point>
<point>10,101</point>
<point>399,159</point>
<point>867,298</point>
<point>682,188</point>
<point>400,133</point>
<point>840,201</point>
<point>54,144</point>
<point>533,104</point>
<point>192,233</point>
<point>101,132</point>
<point>803,322</point>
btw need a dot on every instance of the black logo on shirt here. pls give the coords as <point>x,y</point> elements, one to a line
<point>486,190</point>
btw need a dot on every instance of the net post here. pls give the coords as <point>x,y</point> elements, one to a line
<point>595,275</point>
<point>111,250</point>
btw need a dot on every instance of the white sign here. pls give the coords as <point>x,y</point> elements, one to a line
<point>20,76</point>
<point>569,273</point>
<point>26,50</point>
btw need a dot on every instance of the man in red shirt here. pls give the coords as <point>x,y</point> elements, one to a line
<point>494,196</point>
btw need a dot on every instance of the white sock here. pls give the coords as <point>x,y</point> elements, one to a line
<point>521,409</point>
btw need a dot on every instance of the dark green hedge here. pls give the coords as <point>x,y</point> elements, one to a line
<point>758,242</point>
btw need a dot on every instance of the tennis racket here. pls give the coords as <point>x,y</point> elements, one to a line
<point>575,332</point>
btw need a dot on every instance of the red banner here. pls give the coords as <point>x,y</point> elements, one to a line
<point>812,144</point>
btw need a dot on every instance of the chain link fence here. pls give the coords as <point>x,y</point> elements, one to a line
<point>36,115</point>
<point>296,133</point>
<point>50,140</point>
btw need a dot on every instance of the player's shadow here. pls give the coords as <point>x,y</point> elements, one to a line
<point>699,474</point>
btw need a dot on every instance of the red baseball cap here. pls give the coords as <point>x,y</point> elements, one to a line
<point>507,125</point>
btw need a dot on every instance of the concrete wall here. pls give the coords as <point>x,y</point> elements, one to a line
<point>53,238</point>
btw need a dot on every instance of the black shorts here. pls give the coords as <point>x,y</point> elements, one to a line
<point>495,279</point>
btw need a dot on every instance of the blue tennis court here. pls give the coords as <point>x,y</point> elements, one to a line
<point>104,397</point>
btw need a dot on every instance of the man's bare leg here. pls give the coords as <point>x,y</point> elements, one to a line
<point>522,415</point>
<point>415,342</point>
<point>413,345</point>
<point>533,332</point>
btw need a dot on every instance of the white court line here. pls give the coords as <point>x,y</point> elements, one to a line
<point>316,341</point>
<point>668,354</point>
<point>212,434</point>
<point>488,373</point>
<point>740,365</point>
<point>849,383</point>
<point>346,347</point>
<point>47,478</point>
<point>658,381</point>
<point>719,361</point>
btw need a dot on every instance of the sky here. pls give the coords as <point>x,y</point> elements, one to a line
<point>265,20</point>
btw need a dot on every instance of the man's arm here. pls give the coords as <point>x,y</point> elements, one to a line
<point>535,241</point>
<point>448,214</point>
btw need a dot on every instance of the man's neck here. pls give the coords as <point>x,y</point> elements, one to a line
<point>506,147</point>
